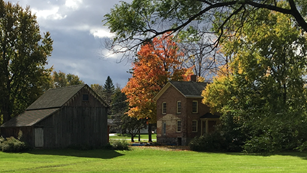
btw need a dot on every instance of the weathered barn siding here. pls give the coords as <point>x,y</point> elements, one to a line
<point>61,118</point>
<point>27,133</point>
<point>75,126</point>
<point>80,123</point>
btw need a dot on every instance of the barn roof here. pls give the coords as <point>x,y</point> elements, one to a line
<point>57,97</point>
<point>29,118</point>
<point>51,101</point>
<point>188,89</point>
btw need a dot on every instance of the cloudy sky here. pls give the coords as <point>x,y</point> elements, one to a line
<point>78,38</point>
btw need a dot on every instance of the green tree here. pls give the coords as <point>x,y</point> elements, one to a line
<point>98,89</point>
<point>119,104</point>
<point>141,20</point>
<point>132,125</point>
<point>108,89</point>
<point>60,79</point>
<point>23,58</point>
<point>119,107</point>
<point>264,87</point>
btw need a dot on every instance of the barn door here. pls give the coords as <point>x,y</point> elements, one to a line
<point>39,137</point>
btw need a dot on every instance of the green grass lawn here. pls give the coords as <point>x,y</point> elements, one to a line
<point>144,137</point>
<point>148,159</point>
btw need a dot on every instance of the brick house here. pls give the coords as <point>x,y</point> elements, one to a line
<point>181,116</point>
<point>62,117</point>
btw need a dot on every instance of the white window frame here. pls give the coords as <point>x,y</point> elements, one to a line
<point>178,112</point>
<point>196,127</point>
<point>177,126</point>
<point>195,101</point>
<point>163,108</point>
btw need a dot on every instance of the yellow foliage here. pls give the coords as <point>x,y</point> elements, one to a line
<point>200,79</point>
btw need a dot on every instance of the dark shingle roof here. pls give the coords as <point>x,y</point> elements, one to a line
<point>29,118</point>
<point>51,101</point>
<point>54,98</point>
<point>189,89</point>
<point>209,115</point>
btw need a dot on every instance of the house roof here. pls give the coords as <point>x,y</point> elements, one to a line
<point>57,97</point>
<point>188,89</point>
<point>209,115</point>
<point>29,118</point>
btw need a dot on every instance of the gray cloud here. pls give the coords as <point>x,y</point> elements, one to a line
<point>78,31</point>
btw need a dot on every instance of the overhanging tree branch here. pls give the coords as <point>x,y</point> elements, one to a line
<point>141,31</point>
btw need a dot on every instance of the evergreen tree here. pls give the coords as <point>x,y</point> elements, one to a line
<point>108,90</point>
<point>119,107</point>
<point>119,104</point>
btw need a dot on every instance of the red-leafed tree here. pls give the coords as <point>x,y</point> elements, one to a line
<point>157,62</point>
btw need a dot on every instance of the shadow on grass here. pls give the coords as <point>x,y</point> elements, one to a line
<point>97,153</point>
<point>302,155</point>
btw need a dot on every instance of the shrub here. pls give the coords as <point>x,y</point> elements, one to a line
<point>108,146</point>
<point>120,145</point>
<point>12,144</point>
<point>228,136</point>
<point>302,147</point>
<point>284,138</point>
<point>260,144</point>
<point>210,142</point>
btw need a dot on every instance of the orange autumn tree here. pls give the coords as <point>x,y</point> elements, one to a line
<point>157,63</point>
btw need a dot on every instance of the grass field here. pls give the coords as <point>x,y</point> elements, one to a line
<point>144,137</point>
<point>148,159</point>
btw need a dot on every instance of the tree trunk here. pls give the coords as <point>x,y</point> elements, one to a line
<point>6,109</point>
<point>6,116</point>
<point>139,135</point>
<point>149,133</point>
<point>132,140</point>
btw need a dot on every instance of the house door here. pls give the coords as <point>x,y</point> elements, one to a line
<point>39,137</point>
<point>179,141</point>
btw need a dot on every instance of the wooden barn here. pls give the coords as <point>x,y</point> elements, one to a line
<point>69,116</point>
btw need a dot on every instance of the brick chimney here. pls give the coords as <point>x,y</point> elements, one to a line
<point>193,78</point>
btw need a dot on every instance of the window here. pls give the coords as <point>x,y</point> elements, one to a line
<point>85,97</point>
<point>194,126</point>
<point>179,126</point>
<point>164,108</point>
<point>178,106</point>
<point>163,128</point>
<point>195,106</point>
